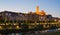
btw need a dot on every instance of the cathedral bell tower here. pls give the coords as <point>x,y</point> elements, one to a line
<point>37,9</point>
<point>39,12</point>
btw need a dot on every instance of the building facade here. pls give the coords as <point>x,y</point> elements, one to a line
<point>31,17</point>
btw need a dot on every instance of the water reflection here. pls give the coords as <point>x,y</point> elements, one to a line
<point>33,32</point>
<point>15,34</point>
<point>12,34</point>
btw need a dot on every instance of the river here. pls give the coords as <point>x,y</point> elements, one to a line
<point>34,32</point>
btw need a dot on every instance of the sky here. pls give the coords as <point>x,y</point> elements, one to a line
<point>49,6</point>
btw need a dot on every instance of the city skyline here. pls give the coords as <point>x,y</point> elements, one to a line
<point>49,6</point>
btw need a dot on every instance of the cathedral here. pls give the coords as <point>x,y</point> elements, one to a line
<point>40,12</point>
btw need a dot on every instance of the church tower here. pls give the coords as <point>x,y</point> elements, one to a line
<point>39,12</point>
<point>37,9</point>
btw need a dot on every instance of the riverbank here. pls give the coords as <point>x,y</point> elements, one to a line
<point>47,33</point>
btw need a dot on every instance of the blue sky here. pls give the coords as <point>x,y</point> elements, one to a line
<point>49,6</point>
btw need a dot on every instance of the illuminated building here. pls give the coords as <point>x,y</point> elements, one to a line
<point>40,12</point>
<point>36,16</point>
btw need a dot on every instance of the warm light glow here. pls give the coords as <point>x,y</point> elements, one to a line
<point>38,12</point>
<point>17,26</point>
<point>0,27</point>
<point>37,9</point>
